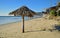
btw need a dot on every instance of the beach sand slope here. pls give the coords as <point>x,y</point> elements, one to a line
<point>33,29</point>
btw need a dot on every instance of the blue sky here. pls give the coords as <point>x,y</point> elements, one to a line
<point>7,6</point>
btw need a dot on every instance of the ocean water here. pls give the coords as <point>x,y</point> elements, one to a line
<point>9,19</point>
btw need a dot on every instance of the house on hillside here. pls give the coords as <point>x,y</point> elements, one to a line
<point>51,8</point>
<point>56,8</point>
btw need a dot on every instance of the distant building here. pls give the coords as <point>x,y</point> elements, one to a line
<point>51,8</point>
<point>56,8</point>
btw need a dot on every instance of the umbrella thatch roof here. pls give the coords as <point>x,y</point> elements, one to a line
<point>24,10</point>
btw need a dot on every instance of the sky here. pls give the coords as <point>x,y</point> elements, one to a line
<point>7,6</point>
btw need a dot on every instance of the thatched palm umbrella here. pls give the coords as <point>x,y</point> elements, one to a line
<point>23,11</point>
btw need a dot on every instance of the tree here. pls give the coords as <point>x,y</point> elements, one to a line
<point>58,4</point>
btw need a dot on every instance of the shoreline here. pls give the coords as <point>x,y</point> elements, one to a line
<point>19,21</point>
<point>33,29</point>
<point>8,23</point>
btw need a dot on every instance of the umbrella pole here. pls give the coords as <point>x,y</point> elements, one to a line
<point>23,24</point>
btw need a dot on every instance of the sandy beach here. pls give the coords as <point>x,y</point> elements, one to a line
<point>33,29</point>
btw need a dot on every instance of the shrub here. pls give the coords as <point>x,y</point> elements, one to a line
<point>53,13</point>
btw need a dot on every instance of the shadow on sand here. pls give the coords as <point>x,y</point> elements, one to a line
<point>57,27</point>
